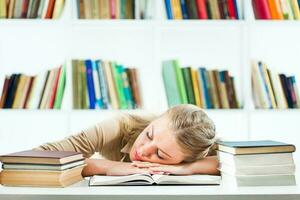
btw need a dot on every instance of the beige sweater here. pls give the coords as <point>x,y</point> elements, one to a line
<point>104,138</point>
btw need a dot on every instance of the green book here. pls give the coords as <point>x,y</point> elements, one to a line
<point>255,147</point>
<point>180,82</point>
<point>83,86</point>
<point>186,72</point>
<point>60,88</point>
<point>170,82</point>
<point>117,71</point>
<point>75,88</point>
<point>127,89</point>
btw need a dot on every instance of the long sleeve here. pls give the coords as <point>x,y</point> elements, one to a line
<point>104,138</point>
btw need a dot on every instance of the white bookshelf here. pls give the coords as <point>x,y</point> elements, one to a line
<point>31,46</point>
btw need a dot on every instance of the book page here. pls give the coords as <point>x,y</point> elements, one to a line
<point>187,180</point>
<point>134,179</point>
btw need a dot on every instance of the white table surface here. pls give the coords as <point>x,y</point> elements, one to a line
<point>82,191</point>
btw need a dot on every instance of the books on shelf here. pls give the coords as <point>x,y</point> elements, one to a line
<point>273,90</point>
<point>204,9</point>
<point>42,9</point>
<point>43,91</point>
<point>41,168</point>
<point>202,87</point>
<point>256,163</point>
<point>115,9</point>
<point>99,84</point>
<point>148,179</point>
<point>276,9</point>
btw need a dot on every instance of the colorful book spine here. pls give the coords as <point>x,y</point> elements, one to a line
<point>103,84</point>
<point>90,84</point>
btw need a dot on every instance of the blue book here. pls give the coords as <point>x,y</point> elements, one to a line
<point>103,84</point>
<point>255,147</point>
<point>203,73</point>
<point>169,9</point>
<point>90,83</point>
<point>299,3</point>
<point>236,9</point>
<point>184,9</point>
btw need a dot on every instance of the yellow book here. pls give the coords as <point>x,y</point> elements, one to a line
<point>215,13</point>
<point>3,12</point>
<point>176,9</point>
<point>196,87</point>
<point>118,9</point>
<point>295,9</point>
<point>104,9</point>
<point>58,8</point>
<point>19,91</point>
<point>24,92</point>
<point>268,83</point>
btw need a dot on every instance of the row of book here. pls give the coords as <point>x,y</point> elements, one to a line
<point>43,91</point>
<point>273,90</point>
<point>43,9</point>
<point>201,87</point>
<point>276,9</point>
<point>256,163</point>
<point>115,9</point>
<point>104,85</point>
<point>204,9</point>
<point>41,168</point>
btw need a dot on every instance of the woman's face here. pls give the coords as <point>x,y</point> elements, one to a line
<point>157,144</point>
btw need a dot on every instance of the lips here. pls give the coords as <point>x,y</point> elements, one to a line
<point>136,156</point>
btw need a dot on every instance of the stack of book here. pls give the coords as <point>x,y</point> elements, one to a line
<point>276,9</point>
<point>273,90</point>
<point>256,163</point>
<point>41,168</point>
<point>201,87</point>
<point>204,9</point>
<point>45,9</point>
<point>43,91</point>
<point>103,85</point>
<point>115,9</point>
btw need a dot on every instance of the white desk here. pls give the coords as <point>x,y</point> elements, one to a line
<point>82,191</point>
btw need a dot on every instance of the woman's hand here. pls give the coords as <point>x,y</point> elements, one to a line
<point>125,168</point>
<point>156,168</point>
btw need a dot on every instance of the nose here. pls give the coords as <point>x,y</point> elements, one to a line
<point>147,150</point>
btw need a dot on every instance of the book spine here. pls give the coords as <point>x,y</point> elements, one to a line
<point>90,84</point>
<point>192,9</point>
<point>186,72</point>
<point>103,84</point>
<point>4,91</point>
<point>184,9</point>
<point>180,82</point>
<point>133,81</point>
<point>97,86</point>
<point>61,88</point>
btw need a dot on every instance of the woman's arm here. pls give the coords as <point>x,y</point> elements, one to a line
<point>207,165</point>
<point>112,168</point>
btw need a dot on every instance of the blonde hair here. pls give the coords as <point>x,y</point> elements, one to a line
<point>194,130</point>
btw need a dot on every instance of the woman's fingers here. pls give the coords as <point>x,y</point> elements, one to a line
<point>144,164</point>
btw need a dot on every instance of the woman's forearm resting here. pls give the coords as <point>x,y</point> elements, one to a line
<point>208,165</point>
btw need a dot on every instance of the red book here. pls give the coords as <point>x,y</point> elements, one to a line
<point>24,8</point>
<point>112,6</point>
<point>201,9</point>
<point>53,91</point>
<point>261,9</point>
<point>231,10</point>
<point>50,9</point>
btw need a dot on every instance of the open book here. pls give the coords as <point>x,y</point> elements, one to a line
<point>148,179</point>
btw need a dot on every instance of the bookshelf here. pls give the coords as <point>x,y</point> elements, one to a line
<point>32,45</point>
